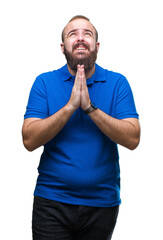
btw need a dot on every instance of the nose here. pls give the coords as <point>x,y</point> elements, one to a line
<point>80,36</point>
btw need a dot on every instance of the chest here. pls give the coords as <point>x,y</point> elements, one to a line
<point>101,93</point>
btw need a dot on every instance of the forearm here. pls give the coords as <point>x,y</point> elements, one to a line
<point>40,131</point>
<point>125,132</point>
<point>37,132</point>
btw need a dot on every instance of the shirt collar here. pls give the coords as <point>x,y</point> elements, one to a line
<point>98,76</point>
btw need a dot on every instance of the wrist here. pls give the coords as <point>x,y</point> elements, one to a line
<point>86,107</point>
<point>91,108</point>
<point>70,108</point>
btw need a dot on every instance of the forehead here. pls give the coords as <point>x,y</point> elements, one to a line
<point>79,24</point>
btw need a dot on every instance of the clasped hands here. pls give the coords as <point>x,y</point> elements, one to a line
<point>80,95</point>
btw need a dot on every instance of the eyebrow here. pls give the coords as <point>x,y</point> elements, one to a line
<point>75,30</point>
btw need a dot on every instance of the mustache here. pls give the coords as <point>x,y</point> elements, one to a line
<point>79,44</point>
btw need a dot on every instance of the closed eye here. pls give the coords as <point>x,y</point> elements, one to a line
<point>72,34</point>
<point>88,34</point>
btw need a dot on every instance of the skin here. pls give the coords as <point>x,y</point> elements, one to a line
<point>80,31</point>
<point>37,132</point>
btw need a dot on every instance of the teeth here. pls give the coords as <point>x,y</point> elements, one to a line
<point>81,48</point>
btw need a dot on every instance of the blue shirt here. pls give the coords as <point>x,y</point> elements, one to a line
<point>81,164</point>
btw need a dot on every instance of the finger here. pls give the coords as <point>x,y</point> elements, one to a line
<point>84,84</point>
<point>78,78</point>
<point>78,67</point>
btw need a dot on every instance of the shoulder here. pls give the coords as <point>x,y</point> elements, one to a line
<point>110,76</point>
<point>49,77</point>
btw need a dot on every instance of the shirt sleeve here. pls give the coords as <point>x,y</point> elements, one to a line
<point>125,105</point>
<point>37,102</point>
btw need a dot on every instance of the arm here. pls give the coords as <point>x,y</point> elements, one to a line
<point>125,132</point>
<point>37,132</point>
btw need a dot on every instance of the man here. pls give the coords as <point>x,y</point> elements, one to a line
<point>79,113</point>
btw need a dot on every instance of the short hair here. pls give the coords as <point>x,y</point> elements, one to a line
<point>79,17</point>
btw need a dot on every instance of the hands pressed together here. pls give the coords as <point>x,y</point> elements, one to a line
<point>37,132</point>
<point>80,95</point>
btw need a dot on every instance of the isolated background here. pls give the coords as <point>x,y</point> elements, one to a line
<point>130,33</point>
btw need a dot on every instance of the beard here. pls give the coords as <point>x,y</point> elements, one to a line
<point>87,61</point>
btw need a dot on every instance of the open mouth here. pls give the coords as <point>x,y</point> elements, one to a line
<point>80,47</point>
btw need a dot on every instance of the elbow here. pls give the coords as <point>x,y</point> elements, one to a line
<point>28,143</point>
<point>135,140</point>
<point>25,140</point>
<point>28,146</point>
<point>134,144</point>
<point>133,147</point>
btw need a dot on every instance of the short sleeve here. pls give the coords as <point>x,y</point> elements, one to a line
<point>125,105</point>
<point>37,102</point>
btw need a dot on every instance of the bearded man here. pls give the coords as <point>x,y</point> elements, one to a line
<point>79,113</point>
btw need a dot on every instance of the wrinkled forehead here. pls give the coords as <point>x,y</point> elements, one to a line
<point>80,24</point>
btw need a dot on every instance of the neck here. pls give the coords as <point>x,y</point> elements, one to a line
<point>88,74</point>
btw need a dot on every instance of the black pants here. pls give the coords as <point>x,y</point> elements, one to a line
<point>59,221</point>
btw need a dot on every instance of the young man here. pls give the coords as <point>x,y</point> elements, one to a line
<point>79,113</point>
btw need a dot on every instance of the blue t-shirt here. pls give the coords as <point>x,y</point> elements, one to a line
<point>81,164</point>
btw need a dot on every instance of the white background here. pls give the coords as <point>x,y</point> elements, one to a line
<point>130,33</point>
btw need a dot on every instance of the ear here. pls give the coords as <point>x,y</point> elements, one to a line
<point>62,47</point>
<point>98,46</point>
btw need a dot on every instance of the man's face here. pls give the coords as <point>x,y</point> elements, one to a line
<point>80,46</point>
